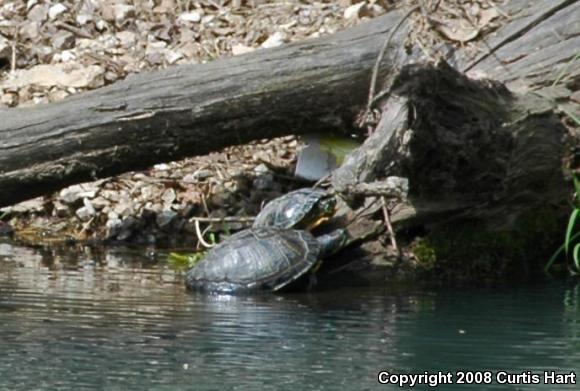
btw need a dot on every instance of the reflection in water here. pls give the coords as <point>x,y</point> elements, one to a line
<point>121,320</point>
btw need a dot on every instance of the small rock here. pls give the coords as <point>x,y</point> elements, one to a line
<point>128,39</point>
<point>147,192</point>
<point>202,175</point>
<point>208,19</point>
<point>29,31</point>
<point>171,56</point>
<point>29,206</point>
<point>189,178</point>
<point>9,99</point>
<point>63,40</point>
<point>241,49</point>
<point>165,218</point>
<point>100,203</point>
<point>56,10</point>
<point>168,196</point>
<point>155,58</point>
<point>194,17</point>
<point>101,25</point>
<point>30,4</point>
<point>264,181</point>
<point>162,167</point>
<point>73,193</point>
<point>274,40</point>
<point>261,169</point>
<point>38,13</point>
<point>5,229</point>
<point>60,209</point>
<point>124,12</point>
<point>83,19</point>
<point>126,228</point>
<point>62,75</point>
<point>84,213</point>
<point>67,55</point>
<point>113,226</point>
<point>123,209</point>
<point>87,204</point>
<point>354,11</point>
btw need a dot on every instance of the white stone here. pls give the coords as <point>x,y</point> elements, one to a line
<point>56,10</point>
<point>274,40</point>
<point>194,17</point>
<point>241,49</point>
<point>354,10</point>
<point>124,11</point>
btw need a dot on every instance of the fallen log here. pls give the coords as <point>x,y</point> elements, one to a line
<point>316,85</point>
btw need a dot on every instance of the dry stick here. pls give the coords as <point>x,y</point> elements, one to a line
<point>389,225</point>
<point>377,65</point>
<point>13,57</point>
<point>229,219</point>
<point>200,236</point>
<point>370,104</point>
<point>321,181</point>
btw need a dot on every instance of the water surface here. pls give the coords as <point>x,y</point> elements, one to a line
<point>120,319</point>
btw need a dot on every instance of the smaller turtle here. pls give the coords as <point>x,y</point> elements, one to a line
<point>266,258</point>
<point>300,209</point>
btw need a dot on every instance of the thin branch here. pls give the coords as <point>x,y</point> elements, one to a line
<point>229,219</point>
<point>389,226</point>
<point>200,236</point>
<point>377,65</point>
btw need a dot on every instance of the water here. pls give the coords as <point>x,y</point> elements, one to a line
<point>121,320</point>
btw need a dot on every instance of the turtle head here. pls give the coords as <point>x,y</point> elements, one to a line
<point>333,242</point>
<point>321,212</point>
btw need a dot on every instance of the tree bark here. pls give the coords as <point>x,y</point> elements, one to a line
<point>316,85</point>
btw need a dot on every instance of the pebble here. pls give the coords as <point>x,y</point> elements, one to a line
<point>72,194</point>
<point>84,213</point>
<point>354,10</point>
<point>165,218</point>
<point>264,181</point>
<point>274,40</point>
<point>5,229</point>
<point>56,10</point>
<point>194,17</point>
<point>168,196</point>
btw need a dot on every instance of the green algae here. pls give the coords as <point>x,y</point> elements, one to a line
<point>470,251</point>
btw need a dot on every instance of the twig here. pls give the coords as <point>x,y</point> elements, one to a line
<point>74,30</point>
<point>321,181</point>
<point>204,204</point>
<point>86,226</point>
<point>13,58</point>
<point>200,236</point>
<point>382,55</point>
<point>389,226</point>
<point>371,101</point>
<point>229,219</point>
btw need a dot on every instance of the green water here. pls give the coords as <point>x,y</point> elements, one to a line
<point>78,319</point>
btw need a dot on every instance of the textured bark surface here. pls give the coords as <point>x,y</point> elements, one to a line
<point>317,85</point>
<point>469,148</point>
<point>183,111</point>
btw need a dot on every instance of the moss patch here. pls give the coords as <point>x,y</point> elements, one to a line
<point>468,251</point>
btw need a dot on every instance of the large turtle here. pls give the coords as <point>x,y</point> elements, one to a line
<point>301,209</point>
<point>266,258</point>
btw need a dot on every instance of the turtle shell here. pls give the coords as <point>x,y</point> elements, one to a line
<point>290,209</point>
<point>255,259</point>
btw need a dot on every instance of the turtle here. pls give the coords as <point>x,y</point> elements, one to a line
<point>263,258</point>
<point>300,209</point>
